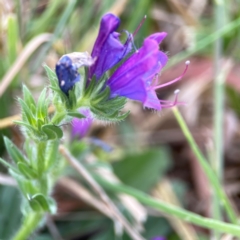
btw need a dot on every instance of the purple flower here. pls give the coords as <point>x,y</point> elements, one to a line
<point>67,74</point>
<point>158,238</point>
<point>137,77</point>
<point>81,126</point>
<point>108,50</point>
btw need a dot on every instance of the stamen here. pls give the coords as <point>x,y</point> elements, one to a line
<point>62,83</point>
<point>176,79</point>
<point>176,92</point>
<point>155,80</point>
<point>168,104</point>
<point>139,26</point>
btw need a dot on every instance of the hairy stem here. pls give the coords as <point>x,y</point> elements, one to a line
<point>30,223</point>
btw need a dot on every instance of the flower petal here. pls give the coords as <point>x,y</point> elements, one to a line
<point>152,100</point>
<point>81,126</point>
<point>108,50</point>
<point>130,79</point>
<point>158,36</point>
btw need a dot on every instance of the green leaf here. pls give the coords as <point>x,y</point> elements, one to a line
<point>34,204</point>
<point>40,123</point>
<point>39,200</point>
<point>42,106</point>
<point>51,76</point>
<point>152,227</point>
<point>27,113</point>
<point>51,156</point>
<point>76,115</point>
<point>143,170</point>
<point>52,131</point>
<point>28,99</point>
<point>28,127</point>
<point>27,171</point>
<point>13,151</point>
<point>27,187</point>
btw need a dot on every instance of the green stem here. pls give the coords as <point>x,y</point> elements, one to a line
<point>206,167</point>
<point>217,161</point>
<point>41,162</point>
<point>171,209</point>
<point>30,223</point>
<point>218,91</point>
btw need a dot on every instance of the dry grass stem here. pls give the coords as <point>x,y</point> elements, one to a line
<point>98,189</point>
<point>165,192</point>
<point>81,192</point>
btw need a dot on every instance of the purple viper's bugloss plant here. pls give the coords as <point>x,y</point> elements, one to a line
<point>135,76</point>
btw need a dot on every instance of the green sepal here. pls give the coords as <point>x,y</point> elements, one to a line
<point>83,83</point>
<point>28,98</point>
<point>76,115</point>
<point>102,96</point>
<point>27,171</point>
<point>27,114</point>
<point>113,117</point>
<point>98,86</point>
<point>13,151</point>
<point>62,95</point>
<point>42,105</point>
<point>72,97</point>
<point>38,202</point>
<point>90,88</point>
<point>51,76</point>
<point>52,131</point>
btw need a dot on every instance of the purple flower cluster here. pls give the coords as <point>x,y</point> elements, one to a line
<point>137,76</point>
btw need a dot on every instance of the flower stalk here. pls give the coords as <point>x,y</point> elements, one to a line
<point>30,223</point>
<point>211,175</point>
